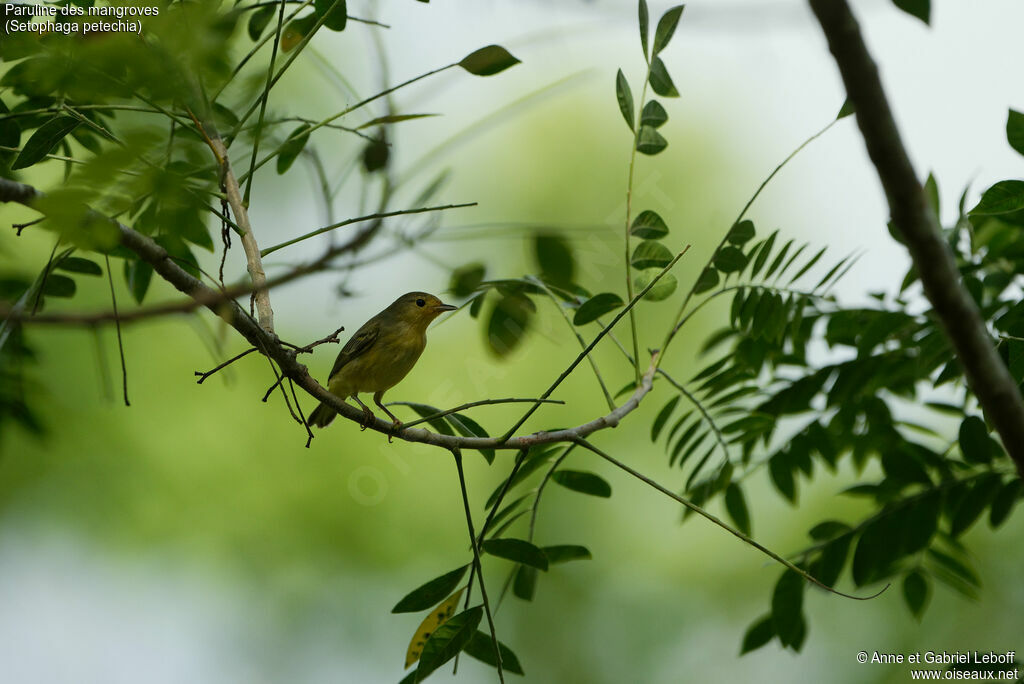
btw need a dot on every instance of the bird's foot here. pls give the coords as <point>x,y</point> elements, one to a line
<point>396,425</point>
<point>367,420</point>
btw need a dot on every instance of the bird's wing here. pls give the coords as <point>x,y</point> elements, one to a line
<point>357,345</point>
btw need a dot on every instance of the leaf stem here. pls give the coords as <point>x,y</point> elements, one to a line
<point>629,210</point>
<point>369,217</point>
<point>689,295</point>
<point>731,530</point>
<point>463,407</point>
<point>582,355</point>
<point>476,563</point>
<point>583,344</point>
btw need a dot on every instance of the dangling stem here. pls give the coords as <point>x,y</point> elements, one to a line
<point>476,563</point>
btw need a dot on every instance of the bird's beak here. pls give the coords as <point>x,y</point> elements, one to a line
<point>441,308</point>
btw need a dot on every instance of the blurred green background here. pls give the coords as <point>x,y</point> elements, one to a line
<point>191,537</point>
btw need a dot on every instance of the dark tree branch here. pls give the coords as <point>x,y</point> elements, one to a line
<point>285,358</point>
<point>913,218</point>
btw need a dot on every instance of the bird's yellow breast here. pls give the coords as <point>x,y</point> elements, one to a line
<point>383,366</point>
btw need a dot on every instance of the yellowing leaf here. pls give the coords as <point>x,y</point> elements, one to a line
<point>435,619</point>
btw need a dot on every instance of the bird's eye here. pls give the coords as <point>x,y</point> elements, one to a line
<point>420,302</point>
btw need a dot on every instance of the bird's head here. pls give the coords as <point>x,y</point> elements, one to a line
<point>418,308</point>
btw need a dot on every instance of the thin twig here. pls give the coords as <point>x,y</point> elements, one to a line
<point>308,349</point>
<point>343,112</point>
<point>743,212</point>
<point>359,219</point>
<point>731,530</point>
<point>469,405</point>
<point>476,562</point>
<point>120,341</point>
<point>583,343</point>
<point>629,306</point>
<point>204,375</point>
<point>263,102</point>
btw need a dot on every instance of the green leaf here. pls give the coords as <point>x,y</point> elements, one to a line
<point>555,259</point>
<point>563,553</point>
<point>138,274</point>
<point>488,61</point>
<point>596,306</point>
<point>293,148</point>
<point>59,286</point>
<point>431,593</point>
<point>1015,130</point>
<point>736,506</point>
<point>975,443</point>
<point>10,136</point>
<point>915,592</point>
<point>582,482</point>
<point>741,233</point>
<point>439,424</point>
<point>707,280</point>
<point>1004,501</point>
<point>517,550</point>
<point>466,279</point>
<point>525,584</point>
<point>662,418</point>
<point>508,323</point>
<point>650,254</point>
<point>974,503</point>
<point>482,648</point>
<point>258,21</point>
<point>758,634</point>
<point>393,118</point>
<point>660,80</point>
<point>666,28</point>
<point>644,22</point>
<point>467,427</point>
<point>650,141</point>
<point>625,97</point>
<point>447,640</point>
<point>762,255</point>
<point>663,289</point>
<point>42,142</point>
<point>808,266</point>
<point>874,550</point>
<point>1001,198</point>
<point>782,476</point>
<point>954,566</point>
<point>846,110</point>
<point>918,8</point>
<point>787,607</point>
<point>832,560</point>
<point>334,12</point>
<point>653,115</point>
<point>730,259</point>
<point>648,225</point>
<point>80,265</point>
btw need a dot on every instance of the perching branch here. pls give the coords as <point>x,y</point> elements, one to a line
<point>285,358</point>
<point>919,229</point>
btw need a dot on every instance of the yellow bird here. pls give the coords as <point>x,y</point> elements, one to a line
<point>381,353</point>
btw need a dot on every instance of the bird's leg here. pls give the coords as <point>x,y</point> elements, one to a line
<point>395,423</point>
<point>367,413</point>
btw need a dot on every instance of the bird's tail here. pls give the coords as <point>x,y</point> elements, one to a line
<point>322,415</point>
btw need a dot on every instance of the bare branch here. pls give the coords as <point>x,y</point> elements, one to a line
<point>254,263</point>
<point>917,225</point>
